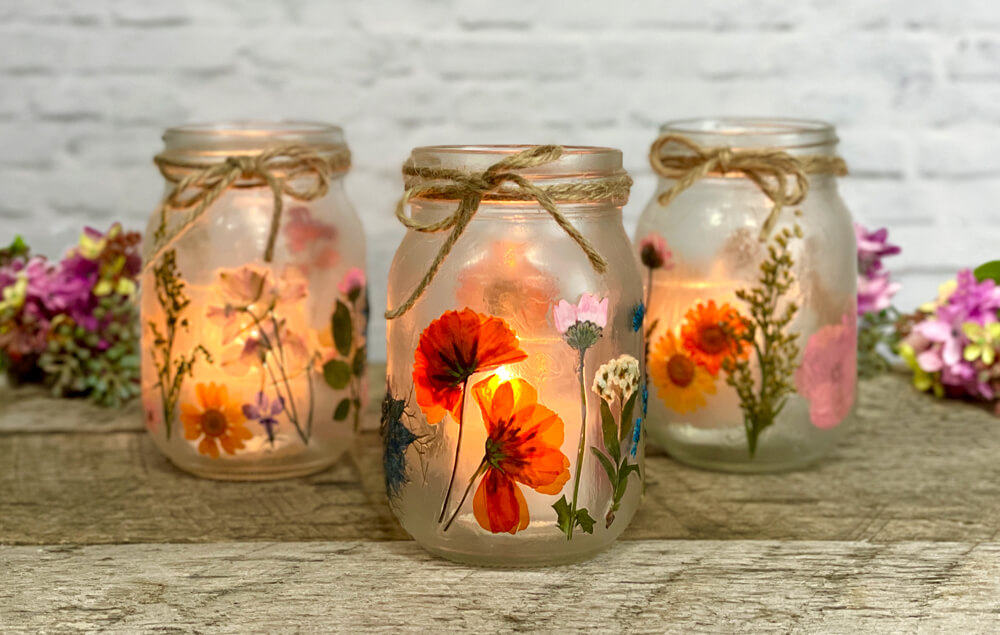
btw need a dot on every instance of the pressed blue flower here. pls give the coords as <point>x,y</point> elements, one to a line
<point>645,399</point>
<point>636,435</point>
<point>396,439</point>
<point>638,316</point>
<point>264,411</point>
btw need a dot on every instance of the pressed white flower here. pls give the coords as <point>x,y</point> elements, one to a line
<point>618,377</point>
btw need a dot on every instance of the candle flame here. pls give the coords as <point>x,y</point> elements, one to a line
<point>504,374</point>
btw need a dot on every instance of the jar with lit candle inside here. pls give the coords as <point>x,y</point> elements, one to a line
<point>749,259</point>
<point>254,303</point>
<point>514,412</point>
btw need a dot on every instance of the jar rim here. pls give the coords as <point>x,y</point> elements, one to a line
<point>241,137</point>
<point>577,161</point>
<point>787,133</point>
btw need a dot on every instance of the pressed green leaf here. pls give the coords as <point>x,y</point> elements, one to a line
<point>627,410</point>
<point>623,475</point>
<point>343,329</point>
<point>585,521</point>
<point>343,409</point>
<point>608,466</point>
<point>337,374</point>
<point>564,514</point>
<point>610,430</point>
<point>359,361</point>
<point>988,271</point>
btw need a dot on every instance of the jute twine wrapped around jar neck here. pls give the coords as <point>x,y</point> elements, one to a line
<point>197,184</point>
<point>501,182</point>
<point>783,178</point>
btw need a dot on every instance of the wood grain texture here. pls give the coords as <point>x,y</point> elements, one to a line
<point>913,468</point>
<point>641,587</point>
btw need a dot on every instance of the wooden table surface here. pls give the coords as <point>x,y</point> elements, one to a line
<point>895,531</point>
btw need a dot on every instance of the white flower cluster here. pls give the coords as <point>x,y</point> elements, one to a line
<point>618,377</point>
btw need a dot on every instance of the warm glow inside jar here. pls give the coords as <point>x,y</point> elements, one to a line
<point>512,422</point>
<point>254,323</point>
<point>752,333</point>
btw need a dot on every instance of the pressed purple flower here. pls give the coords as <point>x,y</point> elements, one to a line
<point>971,301</point>
<point>264,411</point>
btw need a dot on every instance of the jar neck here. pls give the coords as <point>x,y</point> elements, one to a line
<point>797,137</point>
<point>517,211</point>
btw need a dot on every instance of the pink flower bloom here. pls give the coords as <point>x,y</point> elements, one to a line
<point>588,309</point>
<point>875,293</point>
<point>354,281</point>
<point>872,247</point>
<point>302,229</point>
<point>827,374</point>
<point>654,254</point>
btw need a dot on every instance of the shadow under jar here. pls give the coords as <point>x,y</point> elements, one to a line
<point>751,316</point>
<point>512,423</point>
<point>254,322</point>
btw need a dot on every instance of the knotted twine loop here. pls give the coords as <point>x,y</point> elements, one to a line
<point>198,184</point>
<point>768,168</point>
<point>493,183</point>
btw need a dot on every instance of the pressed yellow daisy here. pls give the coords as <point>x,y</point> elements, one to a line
<point>215,420</point>
<point>681,383</point>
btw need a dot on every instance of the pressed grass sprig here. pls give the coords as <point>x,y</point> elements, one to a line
<point>775,348</point>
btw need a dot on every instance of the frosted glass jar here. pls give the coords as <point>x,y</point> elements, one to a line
<point>705,250</point>
<point>254,362</point>
<point>497,452</point>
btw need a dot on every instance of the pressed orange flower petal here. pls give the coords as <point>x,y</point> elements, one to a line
<point>451,349</point>
<point>228,445</point>
<point>498,505</point>
<point>707,335</point>
<point>207,446</point>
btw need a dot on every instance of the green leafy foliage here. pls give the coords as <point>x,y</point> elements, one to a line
<point>775,349</point>
<point>346,372</point>
<point>566,519</point>
<point>616,466</point>
<point>988,271</point>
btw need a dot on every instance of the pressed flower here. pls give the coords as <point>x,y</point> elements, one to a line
<point>653,252</point>
<point>617,378</point>
<point>638,316</point>
<point>396,440</point>
<point>352,284</point>
<point>983,342</point>
<point>581,324</point>
<point>522,447</point>
<point>215,420</point>
<point>451,349</point>
<point>681,383</point>
<point>264,412</point>
<point>710,335</point>
<point>827,376</point>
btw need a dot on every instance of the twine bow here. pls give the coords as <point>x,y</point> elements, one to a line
<point>781,177</point>
<point>471,188</point>
<point>277,168</point>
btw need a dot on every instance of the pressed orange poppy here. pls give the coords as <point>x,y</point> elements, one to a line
<point>680,383</point>
<point>453,348</point>
<point>709,335</point>
<point>522,446</point>
<point>214,419</point>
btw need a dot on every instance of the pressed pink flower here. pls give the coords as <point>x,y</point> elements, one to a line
<point>354,281</point>
<point>826,376</point>
<point>588,309</point>
<point>654,254</point>
<point>302,229</point>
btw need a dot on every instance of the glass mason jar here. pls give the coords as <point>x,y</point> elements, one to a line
<point>254,323</point>
<point>512,421</point>
<point>752,333</point>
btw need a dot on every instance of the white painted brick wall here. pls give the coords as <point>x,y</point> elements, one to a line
<point>914,85</point>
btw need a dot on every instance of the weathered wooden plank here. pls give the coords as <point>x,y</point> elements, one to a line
<point>897,477</point>
<point>645,586</point>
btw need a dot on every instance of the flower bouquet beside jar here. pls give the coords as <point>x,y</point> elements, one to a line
<point>73,325</point>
